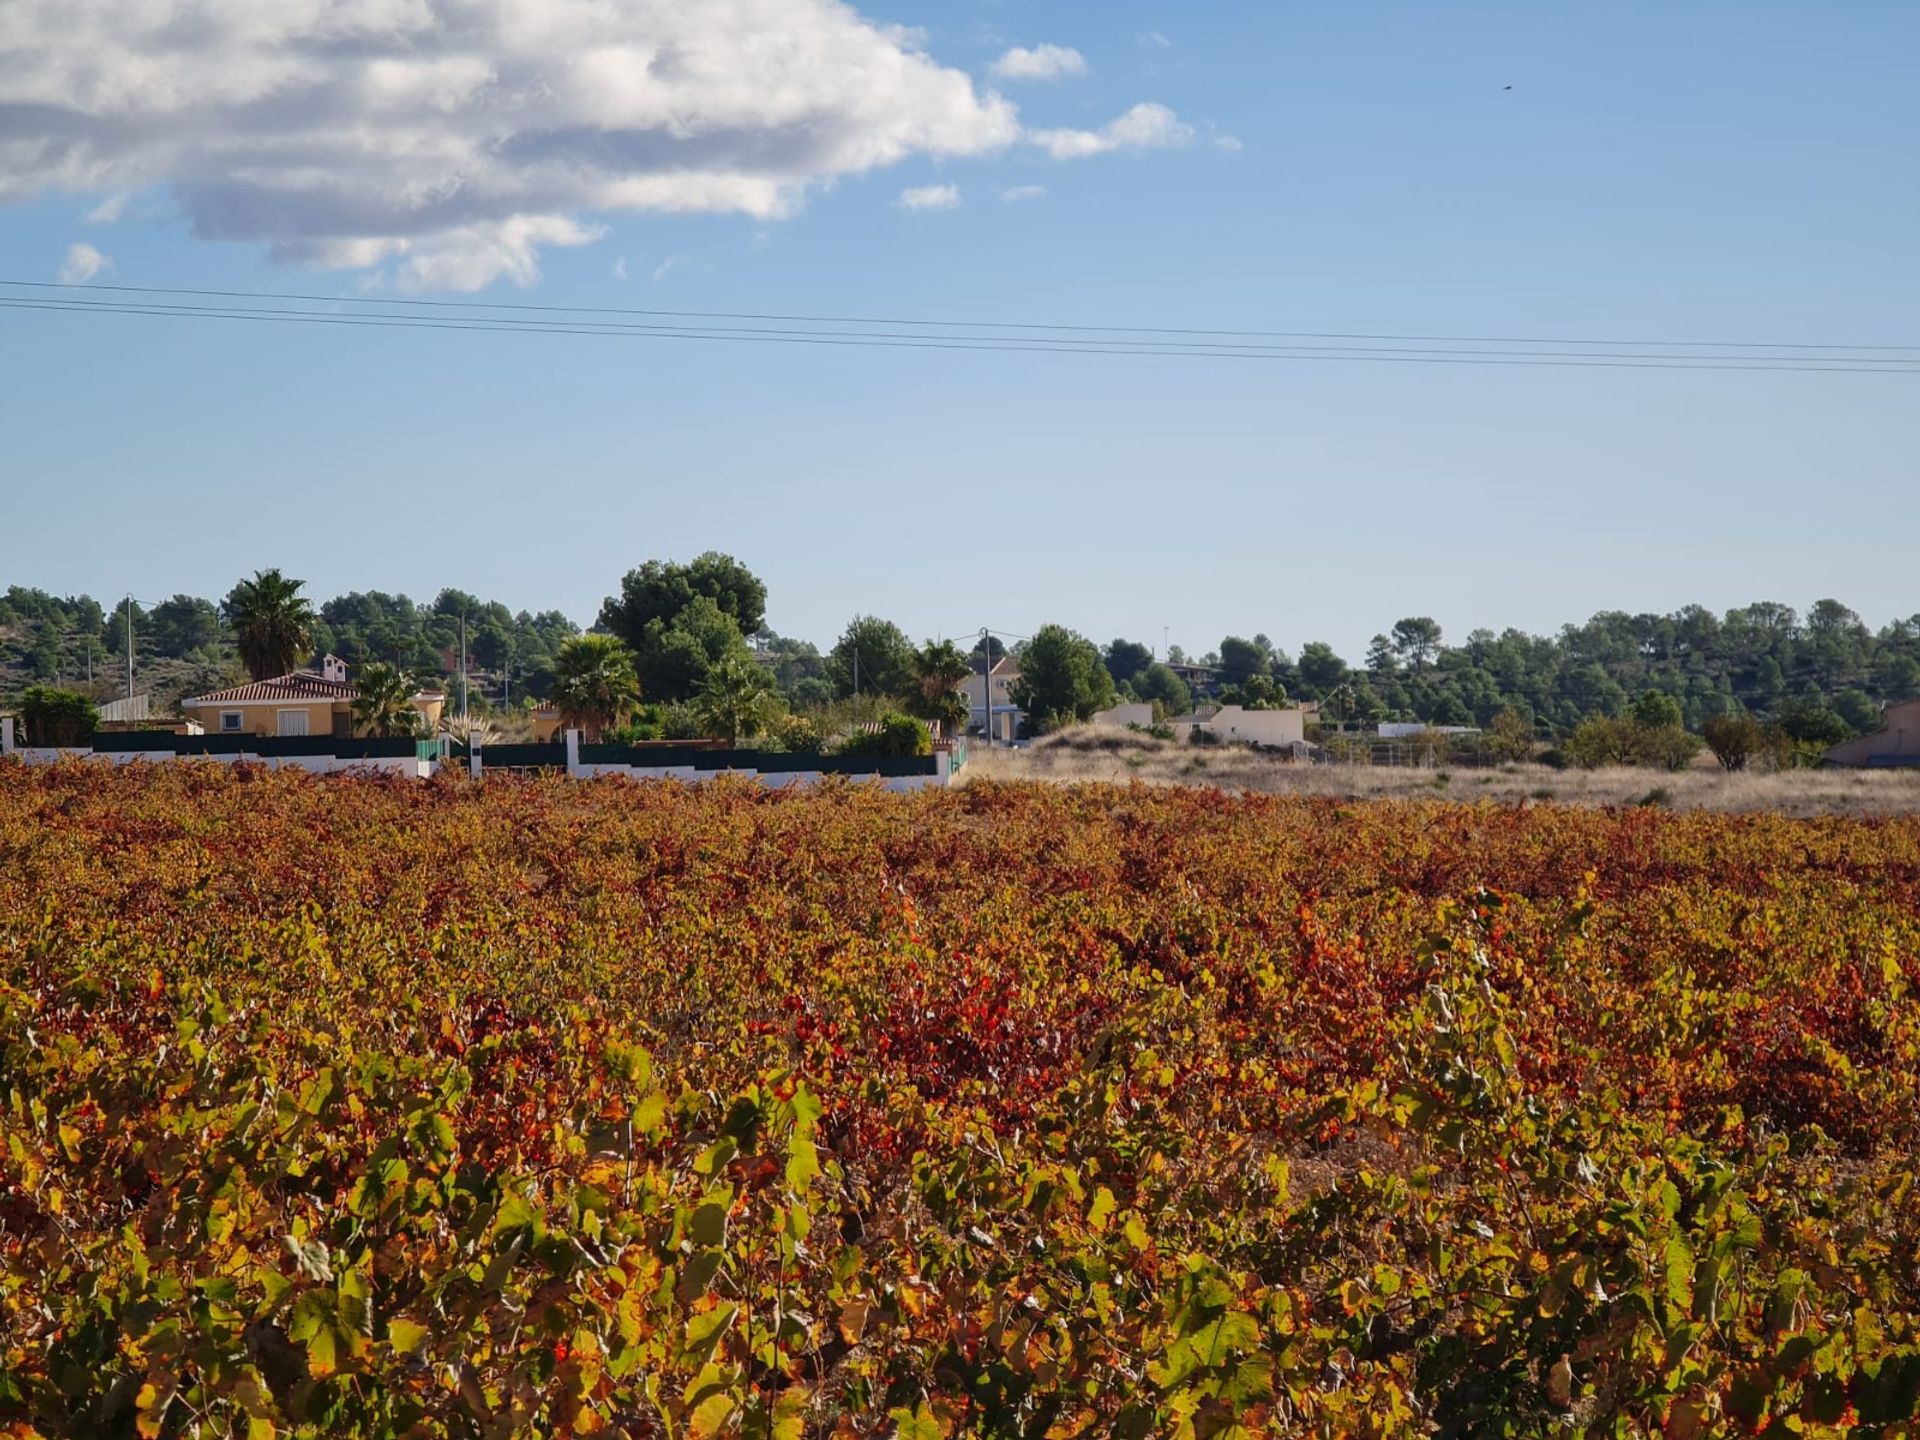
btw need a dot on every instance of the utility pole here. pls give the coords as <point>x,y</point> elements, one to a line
<point>129,648</point>
<point>986,682</point>
<point>463,667</point>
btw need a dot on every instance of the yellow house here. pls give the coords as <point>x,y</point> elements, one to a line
<point>305,702</point>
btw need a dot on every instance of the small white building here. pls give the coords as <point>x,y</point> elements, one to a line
<point>1119,717</point>
<point>1236,725</point>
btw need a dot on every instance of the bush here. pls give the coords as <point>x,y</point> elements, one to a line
<point>1605,740</point>
<point>52,716</point>
<point>796,734</point>
<point>898,735</point>
<point>1734,739</point>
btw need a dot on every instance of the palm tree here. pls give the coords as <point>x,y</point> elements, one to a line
<point>594,686</point>
<point>384,708</point>
<point>272,623</point>
<point>939,672</point>
<point>736,701</point>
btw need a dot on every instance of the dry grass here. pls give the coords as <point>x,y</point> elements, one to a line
<point>1122,756</point>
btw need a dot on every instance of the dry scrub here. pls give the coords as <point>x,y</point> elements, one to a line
<point>1119,755</point>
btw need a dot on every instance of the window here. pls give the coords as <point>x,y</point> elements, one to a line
<point>232,721</point>
<point>293,722</point>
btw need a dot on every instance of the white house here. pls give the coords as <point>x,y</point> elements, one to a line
<point>1120,716</point>
<point>1007,716</point>
<point>1410,729</point>
<point>1237,725</point>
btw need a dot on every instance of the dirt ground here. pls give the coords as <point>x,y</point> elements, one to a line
<point>1122,756</point>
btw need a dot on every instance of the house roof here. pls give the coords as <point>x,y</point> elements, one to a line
<point>299,685</point>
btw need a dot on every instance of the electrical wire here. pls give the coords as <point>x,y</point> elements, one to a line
<point>689,331</point>
<point>953,324</point>
<point>1000,344</point>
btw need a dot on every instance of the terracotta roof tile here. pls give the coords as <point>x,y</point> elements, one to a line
<point>300,685</point>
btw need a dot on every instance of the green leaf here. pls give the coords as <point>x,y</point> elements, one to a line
<point>916,1424</point>
<point>698,1273</point>
<point>708,1227</point>
<point>711,1415</point>
<point>650,1115</point>
<point>704,1331</point>
<point>406,1336</point>
<point>1679,1274</point>
<point>1101,1211</point>
<point>311,1256</point>
<point>803,1164</point>
<point>790,1415</point>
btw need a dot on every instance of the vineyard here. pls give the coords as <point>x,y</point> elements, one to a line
<point>350,1107</point>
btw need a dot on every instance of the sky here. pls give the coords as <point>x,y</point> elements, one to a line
<point>1635,171</point>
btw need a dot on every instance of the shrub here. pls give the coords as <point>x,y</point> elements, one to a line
<point>796,734</point>
<point>1606,740</point>
<point>898,735</point>
<point>53,716</point>
<point>1734,739</point>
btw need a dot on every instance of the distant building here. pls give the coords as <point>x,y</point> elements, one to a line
<point>1236,725</point>
<point>302,702</point>
<point>1006,717</point>
<point>1408,729</point>
<point>1127,713</point>
<point>1895,745</point>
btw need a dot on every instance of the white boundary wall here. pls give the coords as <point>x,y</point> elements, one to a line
<point>421,769</point>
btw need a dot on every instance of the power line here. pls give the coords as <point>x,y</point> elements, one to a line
<point>1002,344</point>
<point>953,324</point>
<point>738,332</point>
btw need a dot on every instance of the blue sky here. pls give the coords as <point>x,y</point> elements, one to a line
<point>1707,172</point>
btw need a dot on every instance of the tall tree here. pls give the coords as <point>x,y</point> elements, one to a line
<point>1416,640</point>
<point>940,670</point>
<point>1062,679</point>
<point>1164,690</point>
<point>1241,660</point>
<point>1321,671</point>
<point>661,589</point>
<point>594,684</point>
<point>872,657</point>
<point>272,623</point>
<point>681,620</point>
<point>183,625</point>
<point>1126,659</point>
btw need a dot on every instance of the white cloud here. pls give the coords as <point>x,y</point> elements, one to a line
<point>1043,62</point>
<point>109,210</point>
<point>458,138</point>
<point>931,197</point>
<point>1229,143</point>
<point>620,268</point>
<point>83,262</point>
<point>1157,40</point>
<point>667,266</point>
<point>1144,127</point>
<point>1014,194</point>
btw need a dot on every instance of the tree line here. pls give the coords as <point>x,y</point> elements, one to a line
<point>684,647</point>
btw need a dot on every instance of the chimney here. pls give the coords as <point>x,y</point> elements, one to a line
<point>334,668</point>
